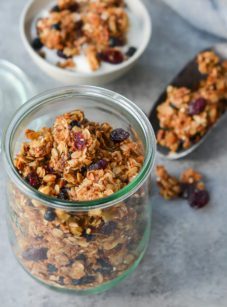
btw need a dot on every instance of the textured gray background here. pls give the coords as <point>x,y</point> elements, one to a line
<point>186,263</point>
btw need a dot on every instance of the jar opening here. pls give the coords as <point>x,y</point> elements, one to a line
<point>111,98</point>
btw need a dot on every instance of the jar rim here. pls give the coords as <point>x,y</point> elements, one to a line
<point>91,91</point>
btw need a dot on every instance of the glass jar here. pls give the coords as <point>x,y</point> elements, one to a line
<point>87,247</point>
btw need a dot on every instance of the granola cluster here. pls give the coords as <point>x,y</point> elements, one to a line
<point>186,115</point>
<point>97,29</point>
<point>190,186</point>
<point>78,160</point>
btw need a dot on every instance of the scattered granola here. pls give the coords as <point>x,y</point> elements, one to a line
<point>77,159</point>
<point>97,29</point>
<point>185,116</point>
<point>190,186</point>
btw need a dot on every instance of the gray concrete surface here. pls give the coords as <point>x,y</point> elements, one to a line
<point>186,263</point>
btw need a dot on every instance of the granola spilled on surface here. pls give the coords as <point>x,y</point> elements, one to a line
<point>96,29</point>
<point>77,159</point>
<point>186,115</point>
<point>190,186</point>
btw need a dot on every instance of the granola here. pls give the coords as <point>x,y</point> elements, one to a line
<point>186,115</point>
<point>75,160</point>
<point>95,29</point>
<point>189,186</point>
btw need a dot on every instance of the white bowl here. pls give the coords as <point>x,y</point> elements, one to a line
<point>139,37</point>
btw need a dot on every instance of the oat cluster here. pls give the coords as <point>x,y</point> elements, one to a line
<point>186,115</point>
<point>96,29</point>
<point>79,160</point>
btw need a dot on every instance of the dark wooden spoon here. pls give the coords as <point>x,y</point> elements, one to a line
<point>188,77</point>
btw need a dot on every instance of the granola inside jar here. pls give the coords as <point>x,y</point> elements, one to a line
<point>79,209</point>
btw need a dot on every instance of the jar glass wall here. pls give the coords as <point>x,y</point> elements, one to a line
<point>83,246</point>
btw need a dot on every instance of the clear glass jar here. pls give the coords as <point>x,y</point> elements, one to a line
<point>66,253</point>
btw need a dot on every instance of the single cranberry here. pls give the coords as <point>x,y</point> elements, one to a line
<point>119,135</point>
<point>199,199</point>
<point>79,141</point>
<point>83,281</point>
<point>131,51</point>
<point>101,164</point>
<point>63,194</point>
<point>187,189</point>
<point>111,56</point>
<point>33,180</point>
<point>197,106</point>
<point>50,215</point>
<point>37,44</point>
<point>116,41</point>
<point>74,123</point>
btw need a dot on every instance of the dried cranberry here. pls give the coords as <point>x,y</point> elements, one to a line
<point>199,199</point>
<point>197,106</point>
<point>83,281</point>
<point>101,164</point>
<point>74,123</point>
<point>37,44</point>
<point>108,228</point>
<point>56,26</point>
<point>33,180</point>
<point>55,8</point>
<point>63,194</point>
<point>116,41</point>
<point>51,268</point>
<point>119,135</point>
<point>131,51</point>
<point>61,54</point>
<point>50,215</point>
<point>187,189</point>
<point>35,254</point>
<point>111,56</point>
<point>79,141</point>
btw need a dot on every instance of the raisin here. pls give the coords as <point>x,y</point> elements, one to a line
<point>108,228</point>
<point>111,56</point>
<point>61,54</point>
<point>197,106</point>
<point>61,281</point>
<point>56,26</point>
<point>35,254</point>
<point>119,135</point>
<point>83,281</point>
<point>131,51</point>
<point>106,267</point>
<point>63,194</point>
<point>116,41</point>
<point>55,8</point>
<point>37,44</point>
<point>74,123</point>
<point>51,268</point>
<point>50,215</point>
